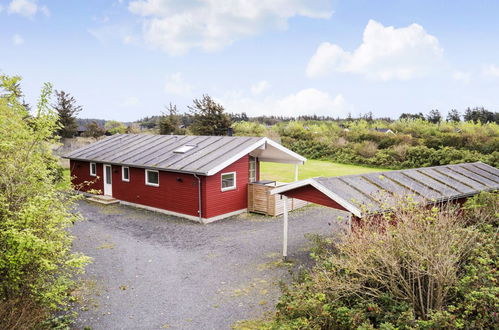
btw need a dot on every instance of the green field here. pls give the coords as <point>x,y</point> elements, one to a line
<point>312,168</point>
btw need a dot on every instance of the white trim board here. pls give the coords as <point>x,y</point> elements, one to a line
<point>182,215</point>
<point>263,142</point>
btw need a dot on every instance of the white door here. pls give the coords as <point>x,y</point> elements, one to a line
<point>108,180</point>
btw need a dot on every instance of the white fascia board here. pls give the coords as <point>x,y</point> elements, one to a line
<point>298,184</point>
<point>236,157</point>
<point>252,147</point>
<point>285,150</point>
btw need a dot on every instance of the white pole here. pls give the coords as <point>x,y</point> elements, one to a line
<point>285,229</point>
<point>296,172</point>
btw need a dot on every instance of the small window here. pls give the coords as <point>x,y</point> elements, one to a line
<point>125,174</point>
<point>252,169</point>
<point>93,169</point>
<point>228,181</point>
<point>152,178</point>
<point>183,149</point>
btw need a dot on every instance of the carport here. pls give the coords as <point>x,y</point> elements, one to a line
<point>377,193</point>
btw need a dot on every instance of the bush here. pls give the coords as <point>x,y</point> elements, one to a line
<point>246,128</point>
<point>36,263</point>
<point>436,268</point>
<point>417,143</point>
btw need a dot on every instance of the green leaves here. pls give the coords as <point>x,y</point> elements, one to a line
<point>37,266</point>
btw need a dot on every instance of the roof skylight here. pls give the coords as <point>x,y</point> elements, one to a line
<point>183,149</point>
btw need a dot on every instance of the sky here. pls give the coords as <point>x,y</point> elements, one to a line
<point>125,60</point>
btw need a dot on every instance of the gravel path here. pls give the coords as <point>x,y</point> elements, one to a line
<point>152,271</point>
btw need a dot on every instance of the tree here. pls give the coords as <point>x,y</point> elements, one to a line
<point>37,266</point>
<point>66,109</point>
<point>454,116</point>
<point>115,127</point>
<point>94,130</point>
<point>171,123</point>
<point>209,117</point>
<point>481,115</point>
<point>434,116</point>
<point>412,116</point>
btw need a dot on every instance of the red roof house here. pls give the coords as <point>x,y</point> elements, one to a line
<point>202,178</point>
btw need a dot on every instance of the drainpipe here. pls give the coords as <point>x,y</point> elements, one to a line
<point>200,212</point>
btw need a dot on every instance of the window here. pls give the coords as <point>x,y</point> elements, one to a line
<point>93,169</point>
<point>152,178</point>
<point>125,174</point>
<point>252,169</point>
<point>183,149</point>
<point>228,181</point>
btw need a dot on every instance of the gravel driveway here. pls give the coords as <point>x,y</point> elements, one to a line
<point>152,271</point>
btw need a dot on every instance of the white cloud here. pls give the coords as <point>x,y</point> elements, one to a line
<point>27,8</point>
<point>178,26</point>
<point>386,53</point>
<point>260,87</point>
<point>491,70</point>
<point>17,39</point>
<point>1,8</point>
<point>307,101</point>
<point>177,85</point>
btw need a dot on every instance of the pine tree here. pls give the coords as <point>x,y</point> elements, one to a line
<point>66,109</point>
<point>170,123</point>
<point>454,116</point>
<point>209,117</point>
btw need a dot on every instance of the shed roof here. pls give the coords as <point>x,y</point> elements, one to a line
<point>378,192</point>
<point>209,155</point>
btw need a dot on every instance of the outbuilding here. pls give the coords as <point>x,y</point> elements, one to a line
<point>377,193</point>
<point>202,178</point>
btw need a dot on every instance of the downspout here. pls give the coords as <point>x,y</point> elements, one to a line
<point>200,212</point>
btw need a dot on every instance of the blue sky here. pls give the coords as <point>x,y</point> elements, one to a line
<point>128,59</point>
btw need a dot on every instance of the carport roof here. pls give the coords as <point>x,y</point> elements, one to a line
<point>204,155</point>
<point>379,192</point>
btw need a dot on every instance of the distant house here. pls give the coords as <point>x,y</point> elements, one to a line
<point>384,130</point>
<point>83,128</point>
<point>202,178</point>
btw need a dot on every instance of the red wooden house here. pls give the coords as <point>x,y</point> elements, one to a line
<point>202,178</point>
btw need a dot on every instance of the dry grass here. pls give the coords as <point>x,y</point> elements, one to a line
<point>417,260</point>
<point>21,313</point>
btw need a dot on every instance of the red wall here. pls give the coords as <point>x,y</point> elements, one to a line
<point>216,201</point>
<point>177,192</point>
<point>310,194</point>
<point>80,172</point>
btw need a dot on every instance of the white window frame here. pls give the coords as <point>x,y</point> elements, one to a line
<point>235,181</point>
<point>123,173</point>
<point>151,183</point>
<point>91,172</point>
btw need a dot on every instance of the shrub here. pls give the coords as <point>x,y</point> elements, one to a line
<point>367,149</point>
<point>434,269</point>
<point>246,128</point>
<point>36,263</point>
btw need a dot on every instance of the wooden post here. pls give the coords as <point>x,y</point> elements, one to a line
<point>296,172</point>
<point>285,229</point>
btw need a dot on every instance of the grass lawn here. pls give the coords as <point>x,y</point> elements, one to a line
<point>312,168</point>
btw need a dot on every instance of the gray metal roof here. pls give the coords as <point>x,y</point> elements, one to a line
<point>157,151</point>
<point>377,192</point>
